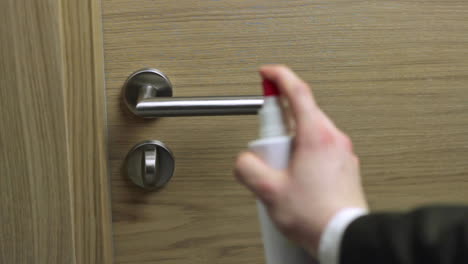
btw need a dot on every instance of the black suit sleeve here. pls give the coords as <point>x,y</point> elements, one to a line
<point>431,235</point>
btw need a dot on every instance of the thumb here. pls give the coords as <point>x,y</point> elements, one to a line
<point>262,180</point>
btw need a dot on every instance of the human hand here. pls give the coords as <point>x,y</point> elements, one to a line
<point>323,175</point>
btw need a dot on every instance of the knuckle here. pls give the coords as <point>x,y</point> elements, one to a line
<point>307,141</point>
<point>268,193</point>
<point>286,222</point>
<point>299,88</point>
<point>317,135</point>
<point>346,142</point>
<point>356,159</point>
<point>327,136</point>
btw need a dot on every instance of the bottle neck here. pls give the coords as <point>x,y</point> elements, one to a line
<point>272,123</point>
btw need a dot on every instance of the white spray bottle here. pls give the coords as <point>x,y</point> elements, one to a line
<point>274,147</point>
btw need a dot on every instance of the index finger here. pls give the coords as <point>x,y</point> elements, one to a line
<point>299,96</point>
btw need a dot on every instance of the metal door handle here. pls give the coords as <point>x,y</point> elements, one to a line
<point>147,93</point>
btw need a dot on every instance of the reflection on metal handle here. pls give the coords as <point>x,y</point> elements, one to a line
<point>148,93</point>
<point>148,163</point>
<point>198,106</point>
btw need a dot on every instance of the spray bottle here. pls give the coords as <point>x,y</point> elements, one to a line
<point>274,147</point>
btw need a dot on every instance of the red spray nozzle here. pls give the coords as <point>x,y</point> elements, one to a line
<point>269,88</point>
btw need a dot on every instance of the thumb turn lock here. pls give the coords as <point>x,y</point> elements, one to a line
<point>150,164</point>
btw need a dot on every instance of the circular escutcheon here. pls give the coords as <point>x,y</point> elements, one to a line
<point>150,164</point>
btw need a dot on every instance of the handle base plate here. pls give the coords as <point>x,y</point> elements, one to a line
<point>144,83</point>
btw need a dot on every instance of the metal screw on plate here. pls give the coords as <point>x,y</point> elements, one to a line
<point>150,164</point>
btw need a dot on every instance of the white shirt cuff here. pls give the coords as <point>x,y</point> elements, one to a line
<point>330,241</point>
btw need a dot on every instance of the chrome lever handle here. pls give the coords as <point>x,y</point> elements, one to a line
<point>148,93</point>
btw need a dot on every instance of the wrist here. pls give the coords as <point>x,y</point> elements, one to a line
<point>328,247</point>
<point>317,233</point>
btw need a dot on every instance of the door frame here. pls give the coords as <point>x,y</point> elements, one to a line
<point>85,100</point>
<point>56,154</point>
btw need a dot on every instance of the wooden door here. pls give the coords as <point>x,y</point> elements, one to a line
<point>54,191</point>
<point>392,74</point>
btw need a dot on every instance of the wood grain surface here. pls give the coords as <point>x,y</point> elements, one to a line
<point>392,74</point>
<point>35,214</point>
<point>54,188</point>
<point>83,71</point>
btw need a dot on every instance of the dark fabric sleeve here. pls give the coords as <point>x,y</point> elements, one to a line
<point>430,235</point>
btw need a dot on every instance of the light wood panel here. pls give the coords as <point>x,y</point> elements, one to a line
<point>54,198</point>
<point>393,74</point>
<point>87,131</point>
<point>35,218</point>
